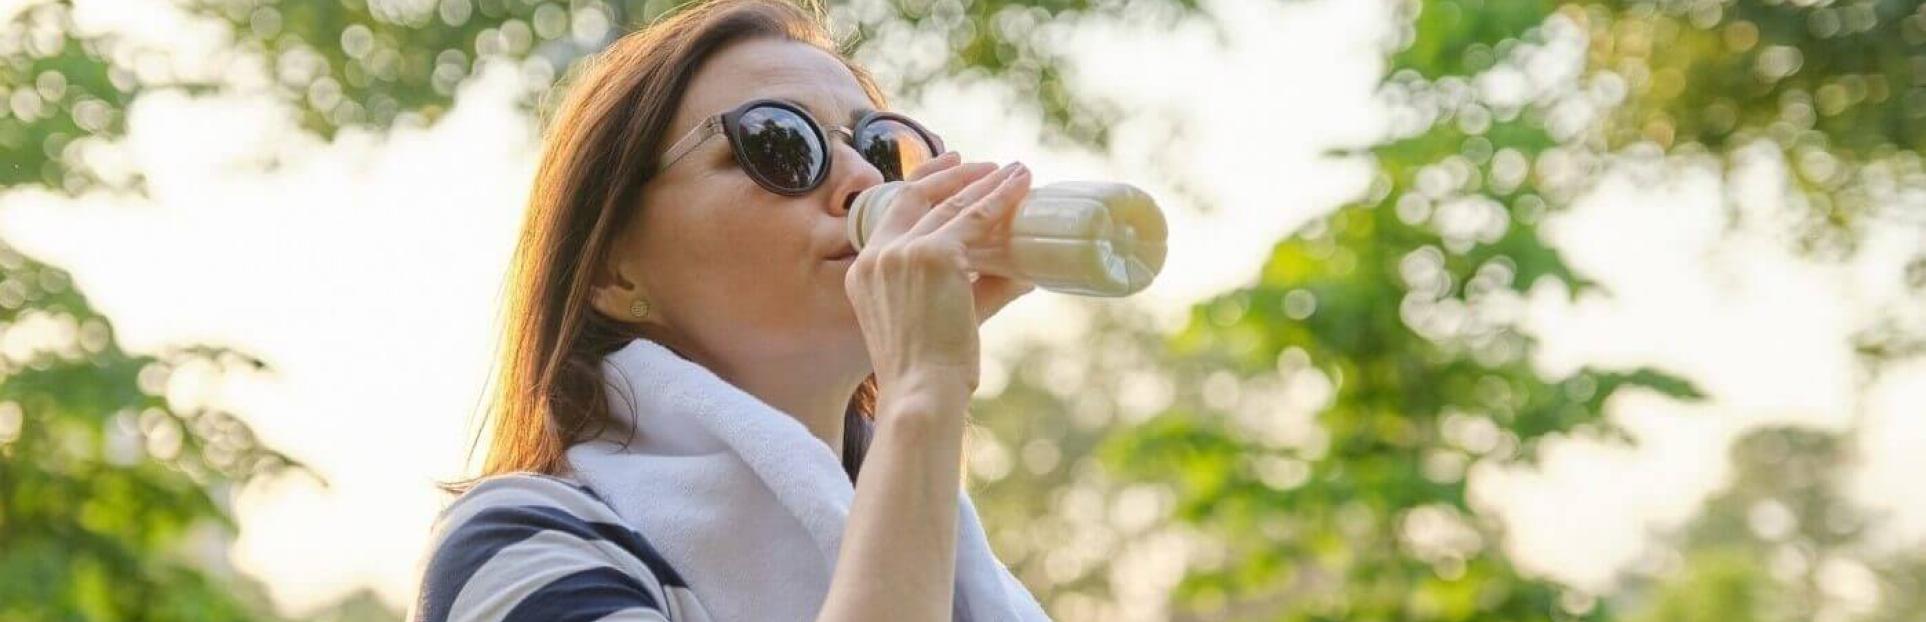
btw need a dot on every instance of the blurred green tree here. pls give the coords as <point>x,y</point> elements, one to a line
<point>1316,426</point>
<point>112,496</point>
<point>1828,94</point>
<point>1782,542</point>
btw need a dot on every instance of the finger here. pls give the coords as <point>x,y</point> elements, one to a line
<point>948,208</point>
<point>986,213</point>
<point>932,165</point>
<point>992,293</point>
<point>939,184</point>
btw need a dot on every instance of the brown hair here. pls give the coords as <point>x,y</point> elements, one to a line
<point>599,149</point>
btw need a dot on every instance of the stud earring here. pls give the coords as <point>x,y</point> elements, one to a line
<point>639,309</point>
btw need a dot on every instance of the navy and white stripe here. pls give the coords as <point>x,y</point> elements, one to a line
<point>528,547</point>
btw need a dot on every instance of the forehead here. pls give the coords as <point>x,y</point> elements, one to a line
<point>779,69</point>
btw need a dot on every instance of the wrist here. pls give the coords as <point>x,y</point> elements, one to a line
<point>932,380</point>
<point>922,394</point>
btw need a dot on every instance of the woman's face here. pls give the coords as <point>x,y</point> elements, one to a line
<point>733,269</point>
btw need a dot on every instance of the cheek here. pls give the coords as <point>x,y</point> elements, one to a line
<point>741,236</point>
<point>738,253</point>
<point>703,227</point>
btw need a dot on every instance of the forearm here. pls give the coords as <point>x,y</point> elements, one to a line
<point>898,554</point>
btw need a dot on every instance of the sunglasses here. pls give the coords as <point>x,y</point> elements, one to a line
<point>787,152</point>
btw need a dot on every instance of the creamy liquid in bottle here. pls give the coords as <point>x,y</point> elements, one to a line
<point>1092,238</point>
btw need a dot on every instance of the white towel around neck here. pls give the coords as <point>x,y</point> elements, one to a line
<point>743,501</point>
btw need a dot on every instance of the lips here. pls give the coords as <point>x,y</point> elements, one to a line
<point>845,252</point>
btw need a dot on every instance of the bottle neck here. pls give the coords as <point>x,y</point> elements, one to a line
<point>868,210</point>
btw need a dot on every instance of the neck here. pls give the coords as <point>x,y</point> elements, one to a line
<point>799,385</point>
<point>815,399</point>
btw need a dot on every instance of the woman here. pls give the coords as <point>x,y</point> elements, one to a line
<point>684,250</point>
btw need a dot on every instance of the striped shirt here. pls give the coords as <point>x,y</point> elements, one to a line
<point>532,547</point>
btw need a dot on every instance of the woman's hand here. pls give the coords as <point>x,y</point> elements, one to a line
<point>991,292</point>
<point>910,285</point>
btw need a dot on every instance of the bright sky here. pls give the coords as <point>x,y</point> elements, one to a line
<point>366,272</point>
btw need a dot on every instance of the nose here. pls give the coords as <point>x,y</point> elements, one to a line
<point>849,175</point>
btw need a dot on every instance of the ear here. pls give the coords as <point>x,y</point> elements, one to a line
<point>612,288</point>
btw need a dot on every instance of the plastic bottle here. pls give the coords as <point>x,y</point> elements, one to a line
<point>1091,238</point>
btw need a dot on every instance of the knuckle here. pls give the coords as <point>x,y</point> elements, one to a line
<point>917,191</point>
<point>926,254</point>
<point>897,256</point>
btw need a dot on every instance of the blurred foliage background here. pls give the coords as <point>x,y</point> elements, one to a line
<point>1310,432</point>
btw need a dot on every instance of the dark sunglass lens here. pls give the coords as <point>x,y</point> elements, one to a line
<point>780,145</point>
<point>893,147</point>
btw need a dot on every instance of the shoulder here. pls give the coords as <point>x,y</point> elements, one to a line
<point>526,546</point>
